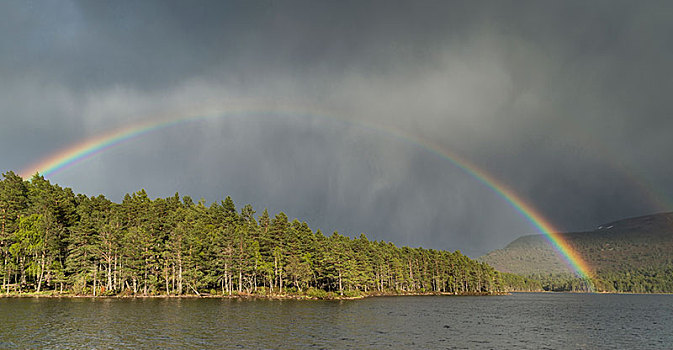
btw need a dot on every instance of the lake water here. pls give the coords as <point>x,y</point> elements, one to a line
<point>519,321</point>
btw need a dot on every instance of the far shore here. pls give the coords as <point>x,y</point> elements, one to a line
<point>233,296</point>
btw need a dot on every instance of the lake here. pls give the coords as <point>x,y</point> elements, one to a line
<point>518,321</point>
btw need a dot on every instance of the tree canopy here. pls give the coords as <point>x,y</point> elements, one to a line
<point>53,239</point>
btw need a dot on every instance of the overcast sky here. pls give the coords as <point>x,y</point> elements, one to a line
<point>568,103</point>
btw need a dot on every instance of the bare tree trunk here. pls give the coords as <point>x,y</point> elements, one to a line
<point>173,277</point>
<point>280,278</point>
<point>5,277</point>
<point>231,283</point>
<point>94,279</point>
<point>194,289</point>
<point>275,270</point>
<point>23,273</point>
<point>168,286</point>
<point>222,284</point>
<point>240,266</point>
<point>145,276</point>
<point>179,273</point>
<point>40,278</point>
<point>109,270</point>
<point>341,291</point>
<point>254,277</point>
<point>114,275</point>
<point>226,277</point>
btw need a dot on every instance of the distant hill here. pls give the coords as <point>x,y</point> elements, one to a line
<point>623,254</point>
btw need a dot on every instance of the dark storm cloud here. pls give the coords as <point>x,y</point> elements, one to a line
<point>566,102</point>
<point>153,44</point>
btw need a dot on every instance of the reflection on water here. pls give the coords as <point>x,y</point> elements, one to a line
<point>522,321</point>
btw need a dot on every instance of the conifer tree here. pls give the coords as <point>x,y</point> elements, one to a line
<point>52,239</point>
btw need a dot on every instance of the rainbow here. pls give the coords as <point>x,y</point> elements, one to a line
<point>88,148</point>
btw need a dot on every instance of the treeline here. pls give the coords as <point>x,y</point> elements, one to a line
<point>653,279</point>
<point>565,282</point>
<point>640,280</point>
<point>54,240</point>
<point>517,283</point>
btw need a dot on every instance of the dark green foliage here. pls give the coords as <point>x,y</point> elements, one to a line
<point>632,255</point>
<point>515,282</point>
<point>54,240</point>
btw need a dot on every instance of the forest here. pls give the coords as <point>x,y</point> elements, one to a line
<point>632,255</point>
<point>55,241</point>
<point>653,279</point>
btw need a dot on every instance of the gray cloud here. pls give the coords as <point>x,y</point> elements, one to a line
<point>567,103</point>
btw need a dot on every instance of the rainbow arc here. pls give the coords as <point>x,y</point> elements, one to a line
<point>81,151</point>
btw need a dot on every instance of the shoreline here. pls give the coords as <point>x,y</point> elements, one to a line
<point>56,295</point>
<point>599,292</point>
<point>235,296</point>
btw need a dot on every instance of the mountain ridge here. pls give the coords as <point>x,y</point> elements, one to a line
<point>617,252</point>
